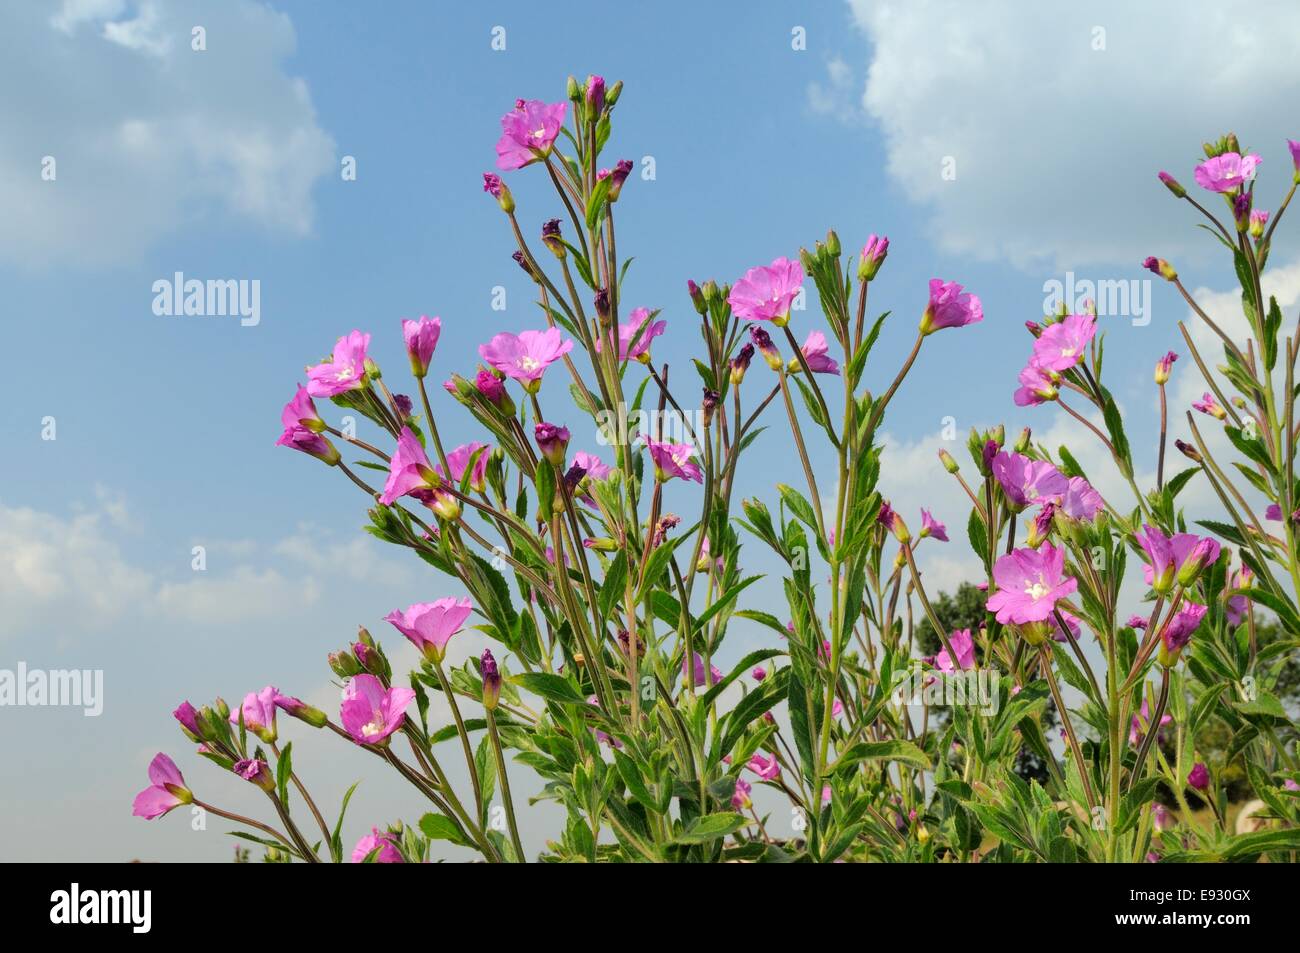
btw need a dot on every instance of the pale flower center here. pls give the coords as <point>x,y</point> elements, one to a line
<point>345,372</point>
<point>375,727</point>
<point>1037,590</point>
<point>529,364</point>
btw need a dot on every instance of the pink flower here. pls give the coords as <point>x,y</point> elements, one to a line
<point>430,625</point>
<point>526,356</point>
<point>767,293</point>
<point>964,645</point>
<point>370,713</point>
<point>421,338</point>
<point>617,176</point>
<point>1029,584</point>
<point>310,443</point>
<point>932,527</point>
<point>1178,632</point>
<point>1036,387</point>
<point>768,769</point>
<point>345,371</point>
<point>1063,345</point>
<point>1199,776</point>
<point>673,460</point>
<point>301,412</point>
<point>817,354</point>
<point>409,470</point>
<point>1059,634</point>
<point>1237,606</point>
<point>528,132</point>
<point>950,307</point>
<point>1142,721</point>
<point>166,790</point>
<point>758,674</point>
<point>714,675</point>
<point>1026,481</point>
<point>740,799</point>
<point>1080,501</point>
<point>459,459</point>
<point>382,841</point>
<point>1168,556</point>
<point>593,467</point>
<point>635,336</point>
<point>1208,405</point>
<point>259,713</point>
<point>1227,172</point>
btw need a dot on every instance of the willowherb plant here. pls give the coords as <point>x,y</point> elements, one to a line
<point>607,615</point>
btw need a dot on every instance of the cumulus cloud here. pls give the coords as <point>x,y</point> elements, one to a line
<point>147,135</point>
<point>1039,104</point>
<point>58,568</point>
<point>55,567</point>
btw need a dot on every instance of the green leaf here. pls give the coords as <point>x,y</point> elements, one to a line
<point>438,827</point>
<point>336,842</point>
<point>551,687</point>
<point>710,827</point>
<point>283,773</point>
<point>903,752</point>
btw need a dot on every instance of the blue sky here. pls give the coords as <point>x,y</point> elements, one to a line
<point>225,163</point>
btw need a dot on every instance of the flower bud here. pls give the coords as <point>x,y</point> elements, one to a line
<point>890,519</point>
<point>873,256</point>
<point>622,169</point>
<point>1158,266</point>
<point>763,341</point>
<point>299,709</point>
<point>1163,368</point>
<point>833,247</point>
<point>1258,219</point>
<point>612,94</point>
<point>697,297</point>
<point>551,238</point>
<point>1022,442</point>
<point>1205,552</point>
<point>1172,185</point>
<point>343,664</point>
<point>493,185</point>
<point>491,680</point>
<point>948,462</point>
<point>1187,450</point>
<point>552,441</point>
<point>595,93</point>
<point>255,771</point>
<point>572,91</point>
<point>740,363</point>
<point>709,405</point>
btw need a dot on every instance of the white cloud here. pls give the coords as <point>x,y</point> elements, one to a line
<point>148,135</point>
<point>54,568</point>
<point>1035,117</point>
<point>241,594</point>
<point>838,95</point>
<point>61,569</point>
